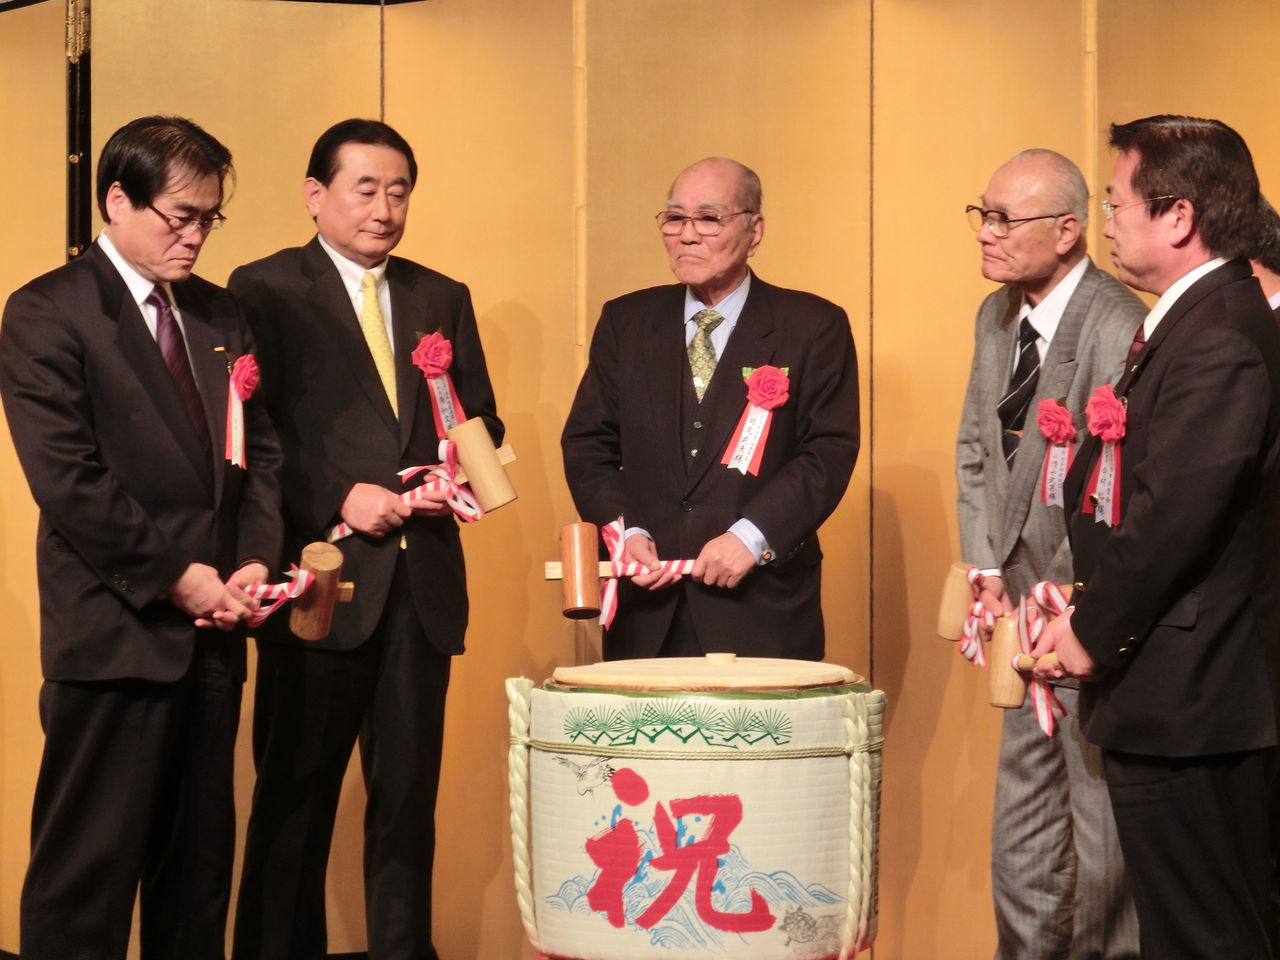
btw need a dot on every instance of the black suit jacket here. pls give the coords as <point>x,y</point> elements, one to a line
<point>127,496</point>
<point>1181,599</point>
<point>624,454</point>
<point>337,428</point>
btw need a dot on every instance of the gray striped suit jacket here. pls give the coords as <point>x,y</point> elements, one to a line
<point>1002,522</point>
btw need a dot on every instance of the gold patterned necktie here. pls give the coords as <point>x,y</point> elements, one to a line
<point>375,334</point>
<point>702,355</point>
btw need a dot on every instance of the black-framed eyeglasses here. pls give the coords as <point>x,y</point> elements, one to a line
<point>1109,209</point>
<point>704,224</point>
<point>183,226</point>
<point>998,223</point>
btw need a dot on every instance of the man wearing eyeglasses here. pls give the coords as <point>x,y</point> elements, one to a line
<point>115,375</point>
<point>1173,630</point>
<point>1057,327</point>
<point>654,421</point>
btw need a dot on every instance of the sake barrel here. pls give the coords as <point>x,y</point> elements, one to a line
<point>687,807</point>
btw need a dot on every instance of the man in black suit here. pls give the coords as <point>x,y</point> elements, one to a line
<point>114,371</point>
<point>338,320</point>
<point>655,416</point>
<point>1178,597</point>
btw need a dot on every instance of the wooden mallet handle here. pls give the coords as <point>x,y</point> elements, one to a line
<point>312,613</point>
<point>555,569</point>
<point>1025,662</point>
<point>506,454</point>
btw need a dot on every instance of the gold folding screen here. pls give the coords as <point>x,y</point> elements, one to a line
<point>547,133</point>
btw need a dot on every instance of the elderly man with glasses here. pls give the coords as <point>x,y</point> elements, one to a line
<point>718,418</point>
<point>1057,327</point>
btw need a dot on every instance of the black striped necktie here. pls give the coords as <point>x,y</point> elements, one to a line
<point>1013,407</point>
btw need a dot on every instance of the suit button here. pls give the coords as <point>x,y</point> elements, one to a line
<point>1095,499</point>
<point>1078,586</point>
<point>693,452</point>
<point>697,424</point>
<point>686,506</point>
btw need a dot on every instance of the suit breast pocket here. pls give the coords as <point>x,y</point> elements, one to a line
<point>1182,613</point>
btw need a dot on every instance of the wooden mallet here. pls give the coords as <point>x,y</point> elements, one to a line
<point>1010,667</point>
<point>481,463</point>
<point>580,570</point>
<point>312,613</point>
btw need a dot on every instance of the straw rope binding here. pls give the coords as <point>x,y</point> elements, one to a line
<point>519,695</point>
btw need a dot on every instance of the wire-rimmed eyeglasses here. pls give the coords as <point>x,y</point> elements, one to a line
<point>998,223</point>
<point>1109,209</point>
<point>704,224</point>
<point>183,226</point>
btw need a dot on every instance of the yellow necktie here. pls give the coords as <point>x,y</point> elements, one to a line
<point>375,334</point>
<point>702,355</point>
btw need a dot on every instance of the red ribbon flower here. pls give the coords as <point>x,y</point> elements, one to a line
<point>768,387</point>
<point>1054,421</point>
<point>433,355</point>
<point>1106,414</point>
<point>244,376</point>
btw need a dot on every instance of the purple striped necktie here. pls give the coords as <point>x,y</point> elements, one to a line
<point>1139,341</point>
<point>174,350</point>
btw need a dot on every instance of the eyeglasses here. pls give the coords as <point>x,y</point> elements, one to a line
<point>1109,209</point>
<point>184,226</point>
<point>998,223</point>
<point>704,224</point>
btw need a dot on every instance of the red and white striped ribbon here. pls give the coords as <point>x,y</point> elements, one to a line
<point>615,542</point>
<point>634,568</point>
<point>299,582</point>
<point>1046,602</point>
<point>441,477</point>
<point>978,619</point>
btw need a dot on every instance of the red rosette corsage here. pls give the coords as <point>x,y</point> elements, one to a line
<point>1106,414</point>
<point>768,387</point>
<point>244,376</point>
<point>434,356</point>
<point>1059,431</point>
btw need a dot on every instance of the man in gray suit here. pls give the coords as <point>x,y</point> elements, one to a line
<point>1057,328</point>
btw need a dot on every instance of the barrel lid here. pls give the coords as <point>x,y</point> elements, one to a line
<point>715,671</point>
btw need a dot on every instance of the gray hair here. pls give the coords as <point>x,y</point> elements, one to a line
<point>1067,186</point>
